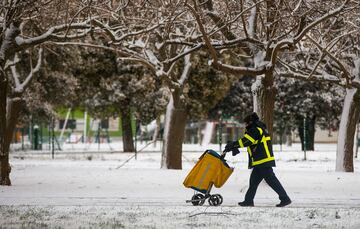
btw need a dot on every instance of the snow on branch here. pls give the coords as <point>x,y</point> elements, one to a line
<point>186,70</point>
<point>346,74</point>
<point>241,70</point>
<point>319,20</point>
<point>203,32</point>
<point>51,34</point>
<point>124,55</point>
<point>293,72</point>
<point>215,62</point>
<point>20,87</point>
<point>293,41</point>
<point>223,27</point>
<point>110,31</point>
<point>186,52</point>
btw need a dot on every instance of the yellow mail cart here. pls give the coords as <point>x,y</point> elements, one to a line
<point>211,170</point>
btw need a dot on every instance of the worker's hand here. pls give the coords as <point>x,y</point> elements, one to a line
<point>231,146</point>
<point>235,151</point>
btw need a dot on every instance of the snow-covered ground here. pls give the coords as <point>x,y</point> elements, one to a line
<point>82,188</point>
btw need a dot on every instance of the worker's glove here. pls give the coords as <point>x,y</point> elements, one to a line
<point>235,151</point>
<point>230,146</point>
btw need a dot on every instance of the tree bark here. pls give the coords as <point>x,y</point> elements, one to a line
<point>356,137</point>
<point>127,135</point>
<point>349,118</point>
<point>174,134</point>
<point>3,96</point>
<point>12,113</point>
<point>264,94</point>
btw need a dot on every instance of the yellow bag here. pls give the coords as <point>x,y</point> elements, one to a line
<point>210,169</point>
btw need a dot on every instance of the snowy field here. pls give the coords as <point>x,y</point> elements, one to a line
<point>88,189</point>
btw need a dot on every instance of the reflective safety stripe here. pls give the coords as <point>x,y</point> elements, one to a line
<point>264,141</point>
<point>250,138</point>
<point>250,153</point>
<point>266,149</point>
<point>268,158</point>
<point>263,161</point>
<point>241,143</point>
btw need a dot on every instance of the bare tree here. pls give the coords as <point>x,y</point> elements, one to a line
<point>261,31</point>
<point>24,26</point>
<point>160,35</point>
<point>331,53</point>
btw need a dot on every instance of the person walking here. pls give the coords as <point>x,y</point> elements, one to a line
<point>261,159</point>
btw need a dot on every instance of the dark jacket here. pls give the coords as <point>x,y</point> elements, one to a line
<point>259,147</point>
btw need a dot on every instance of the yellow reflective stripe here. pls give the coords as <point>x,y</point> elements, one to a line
<point>263,161</point>
<point>250,153</point>
<point>250,138</point>
<point>241,143</point>
<point>264,140</point>
<point>266,149</point>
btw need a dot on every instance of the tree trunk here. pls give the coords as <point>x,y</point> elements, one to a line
<point>349,118</point>
<point>3,96</point>
<point>356,145</point>
<point>12,111</point>
<point>264,94</point>
<point>127,135</point>
<point>288,140</point>
<point>4,152</point>
<point>309,132</point>
<point>288,136</point>
<point>156,131</point>
<point>173,134</point>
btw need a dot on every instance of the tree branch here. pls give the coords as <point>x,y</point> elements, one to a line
<point>318,21</point>
<point>203,32</point>
<point>123,54</point>
<point>342,66</point>
<point>293,72</point>
<point>50,34</point>
<point>20,87</point>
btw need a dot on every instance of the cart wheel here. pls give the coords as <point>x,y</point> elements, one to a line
<point>220,199</point>
<point>214,200</point>
<point>198,199</point>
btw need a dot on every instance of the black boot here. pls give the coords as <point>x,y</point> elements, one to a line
<point>246,204</point>
<point>283,203</point>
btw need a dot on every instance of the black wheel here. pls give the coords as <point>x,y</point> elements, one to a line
<point>197,199</point>
<point>220,199</point>
<point>214,200</point>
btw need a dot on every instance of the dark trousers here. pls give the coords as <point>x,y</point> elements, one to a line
<point>267,173</point>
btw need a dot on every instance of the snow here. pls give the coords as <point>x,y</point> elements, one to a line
<point>152,58</point>
<point>349,98</point>
<point>186,69</point>
<point>259,59</point>
<point>168,117</point>
<point>296,7</point>
<point>356,69</point>
<point>90,189</point>
<point>208,132</point>
<point>254,88</point>
<point>251,22</point>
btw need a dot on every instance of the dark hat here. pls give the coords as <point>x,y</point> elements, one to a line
<point>251,118</point>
